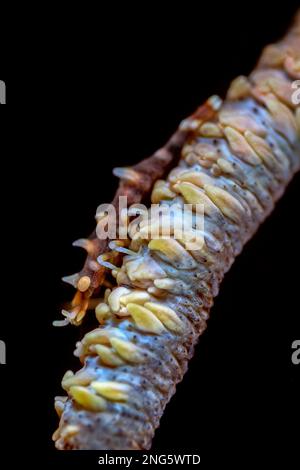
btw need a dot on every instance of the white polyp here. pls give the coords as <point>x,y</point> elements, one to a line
<point>113,246</point>
<point>60,323</point>
<point>106,264</point>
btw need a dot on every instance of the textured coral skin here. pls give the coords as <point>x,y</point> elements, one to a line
<point>238,163</point>
<point>147,171</point>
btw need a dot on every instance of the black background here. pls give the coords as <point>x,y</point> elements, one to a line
<point>109,94</point>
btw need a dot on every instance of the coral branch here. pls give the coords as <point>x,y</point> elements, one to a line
<point>136,184</point>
